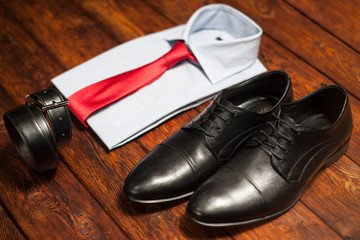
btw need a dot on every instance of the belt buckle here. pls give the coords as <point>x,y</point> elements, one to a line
<point>30,100</point>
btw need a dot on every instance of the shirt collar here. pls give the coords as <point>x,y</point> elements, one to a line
<point>224,40</point>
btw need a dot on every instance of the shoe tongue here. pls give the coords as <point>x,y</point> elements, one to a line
<point>289,120</point>
<point>291,123</point>
<point>282,127</point>
<point>223,101</point>
<point>213,106</point>
<point>226,103</point>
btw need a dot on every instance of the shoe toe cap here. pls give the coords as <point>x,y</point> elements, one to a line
<point>227,198</point>
<point>163,174</point>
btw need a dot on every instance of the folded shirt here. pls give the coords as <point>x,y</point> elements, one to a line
<point>224,41</point>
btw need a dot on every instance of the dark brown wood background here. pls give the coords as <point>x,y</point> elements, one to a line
<point>316,42</point>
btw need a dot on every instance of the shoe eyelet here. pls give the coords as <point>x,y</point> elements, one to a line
<point>298,133</point>
<point>292,142</point>
<point>227,122</point>
<point>219,129</point>
<point>235,114</point>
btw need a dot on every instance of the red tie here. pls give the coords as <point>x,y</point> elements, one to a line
<point>98,95</point>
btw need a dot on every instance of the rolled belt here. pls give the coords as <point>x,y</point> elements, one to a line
<point>40,128</point>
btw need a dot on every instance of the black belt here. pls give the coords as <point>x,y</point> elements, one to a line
<point>39,128</point>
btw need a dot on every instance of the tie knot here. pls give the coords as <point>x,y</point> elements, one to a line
<point>178,53</point>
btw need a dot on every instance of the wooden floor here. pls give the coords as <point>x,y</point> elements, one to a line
<point>316,42</point>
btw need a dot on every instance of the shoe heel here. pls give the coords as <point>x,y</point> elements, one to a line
<point>338,154</point>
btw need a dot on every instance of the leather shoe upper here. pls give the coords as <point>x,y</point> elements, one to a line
<point>177,166</point>
<point>271,172</point>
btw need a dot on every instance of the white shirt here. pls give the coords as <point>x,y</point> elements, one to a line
<point>225,43</point>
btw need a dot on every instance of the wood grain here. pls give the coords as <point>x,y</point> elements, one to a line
<point>55,205</point>
<point>295,224</point>
<point>8,229</point>
<point>306,39</point>
<point>305,80</point>
<point>63,27</point>
<point>335,197</point>
<point>41,39</point>
<point>118,16</point>
<point>84,155</point>
<point>341,18</point>
<point>152,131</point>
<point>293,30</point>
<point>41,205</point>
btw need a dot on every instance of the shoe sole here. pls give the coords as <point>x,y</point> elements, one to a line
<point>161,200</point>
<point>333,158</point>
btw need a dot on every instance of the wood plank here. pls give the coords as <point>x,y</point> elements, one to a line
<point>51,204</point>
<point>15,50</point>
<point>341,18</point>
<point>335,196</point>
<point>119,15</point>
<point>295,224</point>
<point>8,229</point>
<point>116,15</point>
<point>305,80</point>
<point>84,155</point>
<point>153,131</point>
<point>41,205</point>
<point>63,28</point>
<point>307,40</point>
<point>140,210</point>
<point>190,229</point>
<point>308,81</point>
<point>295,32</point>
<point>181,17</point>
<point>141,221</point>
<point>152,138</point>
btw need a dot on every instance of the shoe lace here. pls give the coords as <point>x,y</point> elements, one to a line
<point>212,113</point>
<point>274,136</point>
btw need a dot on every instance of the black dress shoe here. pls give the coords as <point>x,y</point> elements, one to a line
<point>177,166</point>
<point>269,175</point>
